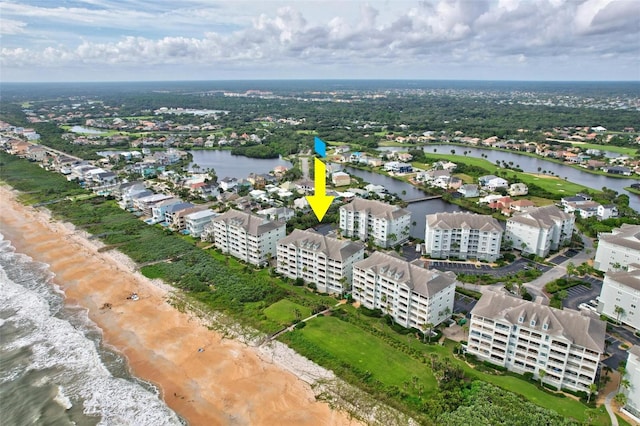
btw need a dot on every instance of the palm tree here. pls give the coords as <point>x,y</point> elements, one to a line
<point>620,399</point>
<point>624,383</point>
<point>427,327</point>
<point>593,388</point>
<point>541,374</point>
<point>571,269</point>
<point>619,310</point>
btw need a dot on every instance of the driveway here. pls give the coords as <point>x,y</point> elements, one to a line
<point>472,268</point>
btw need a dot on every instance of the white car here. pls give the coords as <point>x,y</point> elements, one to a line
<point>587,307</point>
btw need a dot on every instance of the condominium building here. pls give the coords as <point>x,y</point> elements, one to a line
<point>327,262</point>
<point>463,236</point>
<point>620,296</point>
<point>539,230</point>
<point>383,224</point>
<point>617,249</point>
<point>412,295</point>
<point>633,375</point>
<point>244,235</point>
<point>529,337</point>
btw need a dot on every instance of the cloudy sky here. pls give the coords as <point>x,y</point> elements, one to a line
<point>94,40</point>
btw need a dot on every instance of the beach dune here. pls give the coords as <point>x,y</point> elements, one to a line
<point>205,378</point>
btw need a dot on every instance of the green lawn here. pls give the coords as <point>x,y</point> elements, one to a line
<point>284,312</point>
<point>351,345</point>
<point>632,190</point>
<point>612,148</point>
<point>552,184</point>
<point>622,422</point>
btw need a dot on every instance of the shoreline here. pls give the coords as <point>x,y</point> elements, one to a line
<point>205,377</point>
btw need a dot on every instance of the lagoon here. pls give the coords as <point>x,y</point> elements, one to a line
<point>237,166</point>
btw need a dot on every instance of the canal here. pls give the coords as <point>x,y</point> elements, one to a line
<point>405,191</point>
<point>537,165</point>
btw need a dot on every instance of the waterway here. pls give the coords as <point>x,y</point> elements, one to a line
<point>418,210</point>
<point>535,165</point>
<point>237,166</point>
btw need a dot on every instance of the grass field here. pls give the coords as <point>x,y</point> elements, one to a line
<point>612,148</point>
<point>632,190</point>
<point>284,312</point>
<point>351,345</point>
<point>551,184</point>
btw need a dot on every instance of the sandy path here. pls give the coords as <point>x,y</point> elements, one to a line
<point>227,383</point>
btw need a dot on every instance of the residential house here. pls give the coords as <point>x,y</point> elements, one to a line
<point>540,230</point>
<point>179,218</point>
<point>617,170</point>
<point>324,261</point>
<point>340,179</point>
<point>530,337</point>
<point>131,193</point>
<point>492,182</point>
<point>521,205</point>
<point>246,236</point>
<point>376,189</point>
<point>36,153</point>
<point>469,190</point>
<point>158,210</point>
<point>398,167</point>
<point>172,211</point>
<point>414,296</point>
<point>620,296</point>
<point>618,249</point>
<point>281,214</point>
<point>146,204</point>
<point>463,236</point>
<point>228,183</point>
<point>196,222</point>
<point>516,189</point>
<point>383,224</point>
<point>607,211</point>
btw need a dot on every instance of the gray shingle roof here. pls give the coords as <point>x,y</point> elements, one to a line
<point>376,208</point>
<point>420,280</point>
<point>333,248</point>
<point>625,236</point>
<point>629,278</point>
<point>252,224</point>
<point>583,329</point>
<point>458,220</point>
<point>540,217</point>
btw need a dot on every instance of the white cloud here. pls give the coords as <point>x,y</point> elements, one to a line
<point>10,26</point>
<point>456,33</point>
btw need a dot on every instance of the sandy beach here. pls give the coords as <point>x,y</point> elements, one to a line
<point>205,378</point>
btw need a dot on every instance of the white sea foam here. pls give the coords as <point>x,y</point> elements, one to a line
<point>62,399</point>
<point>72,360</point>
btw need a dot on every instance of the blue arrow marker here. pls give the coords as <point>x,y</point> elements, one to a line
<point>320,147</point>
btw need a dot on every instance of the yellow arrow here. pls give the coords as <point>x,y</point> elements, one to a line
<point>320,201</point>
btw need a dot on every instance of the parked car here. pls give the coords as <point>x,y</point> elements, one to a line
<point>587,306</point>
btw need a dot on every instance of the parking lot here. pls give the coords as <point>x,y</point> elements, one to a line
<point>479,269</point>
<point>556,260</point>
<point>582,293</point>
<point>463,303</point>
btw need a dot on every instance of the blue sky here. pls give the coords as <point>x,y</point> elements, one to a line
<point>96,40</point>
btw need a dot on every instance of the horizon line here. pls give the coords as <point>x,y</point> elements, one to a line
<point>312,79</point>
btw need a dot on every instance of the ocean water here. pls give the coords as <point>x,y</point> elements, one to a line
<point>54,367</point>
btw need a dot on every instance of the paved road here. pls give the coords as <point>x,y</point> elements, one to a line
<point>536,286</point>
<point>305,167</point>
